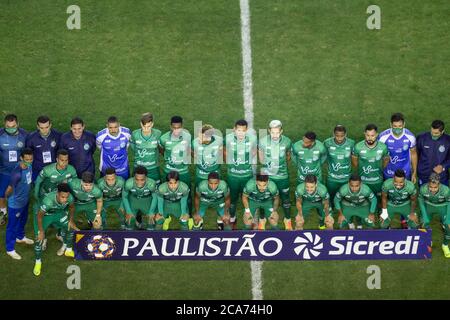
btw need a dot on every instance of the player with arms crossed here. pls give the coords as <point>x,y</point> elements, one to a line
<point>112,186</point>
<point>434,198</point>
<point>139,197</point>
<point>355,199</point>
<point>212,193</point>
<point>275,153</point>
<point>88,199</point>
<point>172,200</point>
<point>398,196</point>
<point>312,194</point>
<point>56,209</point>
<point>260,193</point>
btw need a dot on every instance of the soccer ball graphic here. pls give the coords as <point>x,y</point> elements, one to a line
<point>101,247</point>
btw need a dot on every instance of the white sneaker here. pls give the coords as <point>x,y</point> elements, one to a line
<point>44,244</point>
<point>25,240</point>
<point>13,254</point>
<point>61,250</point>
<point>359,227</point>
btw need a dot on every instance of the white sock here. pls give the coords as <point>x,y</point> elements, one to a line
<point>68,249</point>
<point>232,219</point>
<point>3,210</point>
<point>38,260</point>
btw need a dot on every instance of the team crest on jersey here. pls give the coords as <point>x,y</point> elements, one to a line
<point>53,144</point>
<point>20,144</point>
<point>86,146</point>
<point>405,147</point>
<point>122,144</point>
<point>441,148</point>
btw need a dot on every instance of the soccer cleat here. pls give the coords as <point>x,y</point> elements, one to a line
<point>37,268</point>
<point>446,250</point>
<point>288,224</point>
<point>262,224</point>
<point>69,253</point>
<point>25,240</point>
<point>167,223</point>
<point>191,223</point>
<point>359,227</point>
<point>13,254</point>
<point>220,226</point>
<point>2,219</point>
<point>44,244</point>
<point>322,227</point>
<point>404,224</point>
<point>351,226</point>
<point>61,250</point>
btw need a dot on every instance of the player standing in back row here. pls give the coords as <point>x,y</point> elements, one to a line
<point>113,143</point>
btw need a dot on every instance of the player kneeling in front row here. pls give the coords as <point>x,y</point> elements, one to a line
<point>212,193</point>
<point>172,200</point>
<point>261,194</point>
<point>355,199</point>
<point>88,199</point>
<point>434,198</point>
<point>56,209</point>
<point>398,196</point>
<point>139,197</point>
<point>112,186</point>
<point>312,194</point>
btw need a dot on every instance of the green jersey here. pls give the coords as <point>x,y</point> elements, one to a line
<point>309,160</point>
<point>173,195</point>
<point>241,155</point>
<point>132,191</point>
<point>440,198</point>
<point>50,177</point>
<point>364,197</point>
<point>177,151</point>
<point>275,162</point>
<point>370,161</point>
<point>207,157</point>
<point>145,148</point>
<point>83,197</point>
<point>51,206</point>
<point>213,197</point>
<point>320,195</point>
<point>398,196</point>
<point>339,159</point>
<point>251,190</point>
<point>114,192</point>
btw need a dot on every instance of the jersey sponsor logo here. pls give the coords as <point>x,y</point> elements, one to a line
<point>306,170</point>
<point>397,159</point>
<point>338,166</point>
<point>308,245</point>
<point>142,153</point>
<point>115,157</point>
<point>369,169</point>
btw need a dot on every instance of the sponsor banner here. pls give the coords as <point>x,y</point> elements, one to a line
<point>253,245</point>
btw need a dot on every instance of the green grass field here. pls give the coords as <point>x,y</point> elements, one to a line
<point>315,64</point>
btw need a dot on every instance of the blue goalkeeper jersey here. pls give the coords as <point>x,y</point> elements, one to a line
<point>113,151</point>
<point>399,151</point>
<point>21,184</point>
<point>10,148</point>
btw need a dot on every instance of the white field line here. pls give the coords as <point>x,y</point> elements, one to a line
<point>255,266</point>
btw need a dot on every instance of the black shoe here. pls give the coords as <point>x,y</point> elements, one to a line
<point>220,226</point>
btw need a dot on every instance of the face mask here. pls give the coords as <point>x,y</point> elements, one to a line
<point>397,131</point>
<point>11,130</point>
<point>28,164</point>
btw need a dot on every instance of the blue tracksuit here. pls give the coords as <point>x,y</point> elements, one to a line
<point>44,149</point>
<point>18,205</point>
<point>81,151</point>
<point>10,148</point>
<point>432,153</point>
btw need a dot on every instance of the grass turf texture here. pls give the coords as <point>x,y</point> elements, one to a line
<point>315,64</point>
